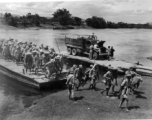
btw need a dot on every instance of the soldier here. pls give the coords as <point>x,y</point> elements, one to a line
<point>46,56</point>
<point>52,53</point>
<point>109,79</point>
<point>125,91</point>
<point>93,36</point>
<point>136,82</point>
<point>28,60</point>
<point>70,85</point>
<point>41,58</point>
<point>115,74</point>
<point>112,52</point>
<point>57,64</point>
<point>109,53</point>
<point>50,67</point>
<point>35,61</point>
<point>94,76</point>
<point>132,72</point>
<point>91,52</point>
<point>87,71</point>
<point>78,75</point>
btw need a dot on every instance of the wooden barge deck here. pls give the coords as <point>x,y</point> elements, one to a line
<point>14,71</point>
<point>122,66</point>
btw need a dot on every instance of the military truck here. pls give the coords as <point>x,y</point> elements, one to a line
<point>78,44</point>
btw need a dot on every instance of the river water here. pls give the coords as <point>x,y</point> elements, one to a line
<point>130,44</point>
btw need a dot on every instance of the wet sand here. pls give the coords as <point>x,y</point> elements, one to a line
<point>90,105</point>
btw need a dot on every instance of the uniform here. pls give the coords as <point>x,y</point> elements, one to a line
<point>70,85</point>
<point>28,61</point>
<point>93,77</point>
<point>91,52</point>
<point>109,53</point>
<point>125,92</point>
<point>136,82</point>
<point>50,67</point>
<point>109,79</point>
<point>57,64</point>
<point>78,75</point>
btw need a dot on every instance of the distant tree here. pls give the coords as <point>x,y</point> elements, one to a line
<point>13,21</point>
<point>96,22</point>
<point>24,21</point>
<point>36,20</point>
<point>112,25</point>
<point>77,21</point>
<point>89,21</point>
<point>62,16</point>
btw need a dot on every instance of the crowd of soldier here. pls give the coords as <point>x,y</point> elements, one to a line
<point>32,56</point>
<point>76,77</point>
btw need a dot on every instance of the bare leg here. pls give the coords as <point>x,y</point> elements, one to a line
<point>126,105</point>
<point>107,91</point>
<point>113,87</point>
<point>121,102</point>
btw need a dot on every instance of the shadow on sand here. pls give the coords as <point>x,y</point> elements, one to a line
<point>78,98</point>
<point>138,94</point>
<point>133,107</point>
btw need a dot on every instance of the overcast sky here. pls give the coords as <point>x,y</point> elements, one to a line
<point>131,11</point>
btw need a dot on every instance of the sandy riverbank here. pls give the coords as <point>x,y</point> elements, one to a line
<point>90,105</point>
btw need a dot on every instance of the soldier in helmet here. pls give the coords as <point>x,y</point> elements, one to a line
<point>125,91</point>
<point>79,75</point>
<point>70,82</point>
<point>94,76</point>
<point>93,36</point>
<point>58,65</point>
<point>91,52</point>
<point>108,80</point>
<point>70,86</point>
<point>49,68</point>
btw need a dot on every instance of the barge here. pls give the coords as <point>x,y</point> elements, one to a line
<point>16,72</point>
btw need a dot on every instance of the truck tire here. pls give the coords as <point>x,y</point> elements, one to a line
<point>69,50</point>
<point>74,51</point>
<point>95,56</point>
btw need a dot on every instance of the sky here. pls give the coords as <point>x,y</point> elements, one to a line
<point>130,11</point>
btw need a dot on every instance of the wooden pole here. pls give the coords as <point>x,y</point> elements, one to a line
<point>57,45</point>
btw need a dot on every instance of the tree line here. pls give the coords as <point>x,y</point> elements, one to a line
<point>64,18</point>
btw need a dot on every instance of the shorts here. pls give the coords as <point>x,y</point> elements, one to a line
<point>108,84</point>
<point>70,87</point>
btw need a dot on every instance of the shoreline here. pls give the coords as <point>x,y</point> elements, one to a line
<point>90,105</point>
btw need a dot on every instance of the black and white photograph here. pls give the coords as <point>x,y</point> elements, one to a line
<point>75,59</point>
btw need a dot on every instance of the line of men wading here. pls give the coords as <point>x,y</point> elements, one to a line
<point>33,57</point>
<point>77,77</point>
